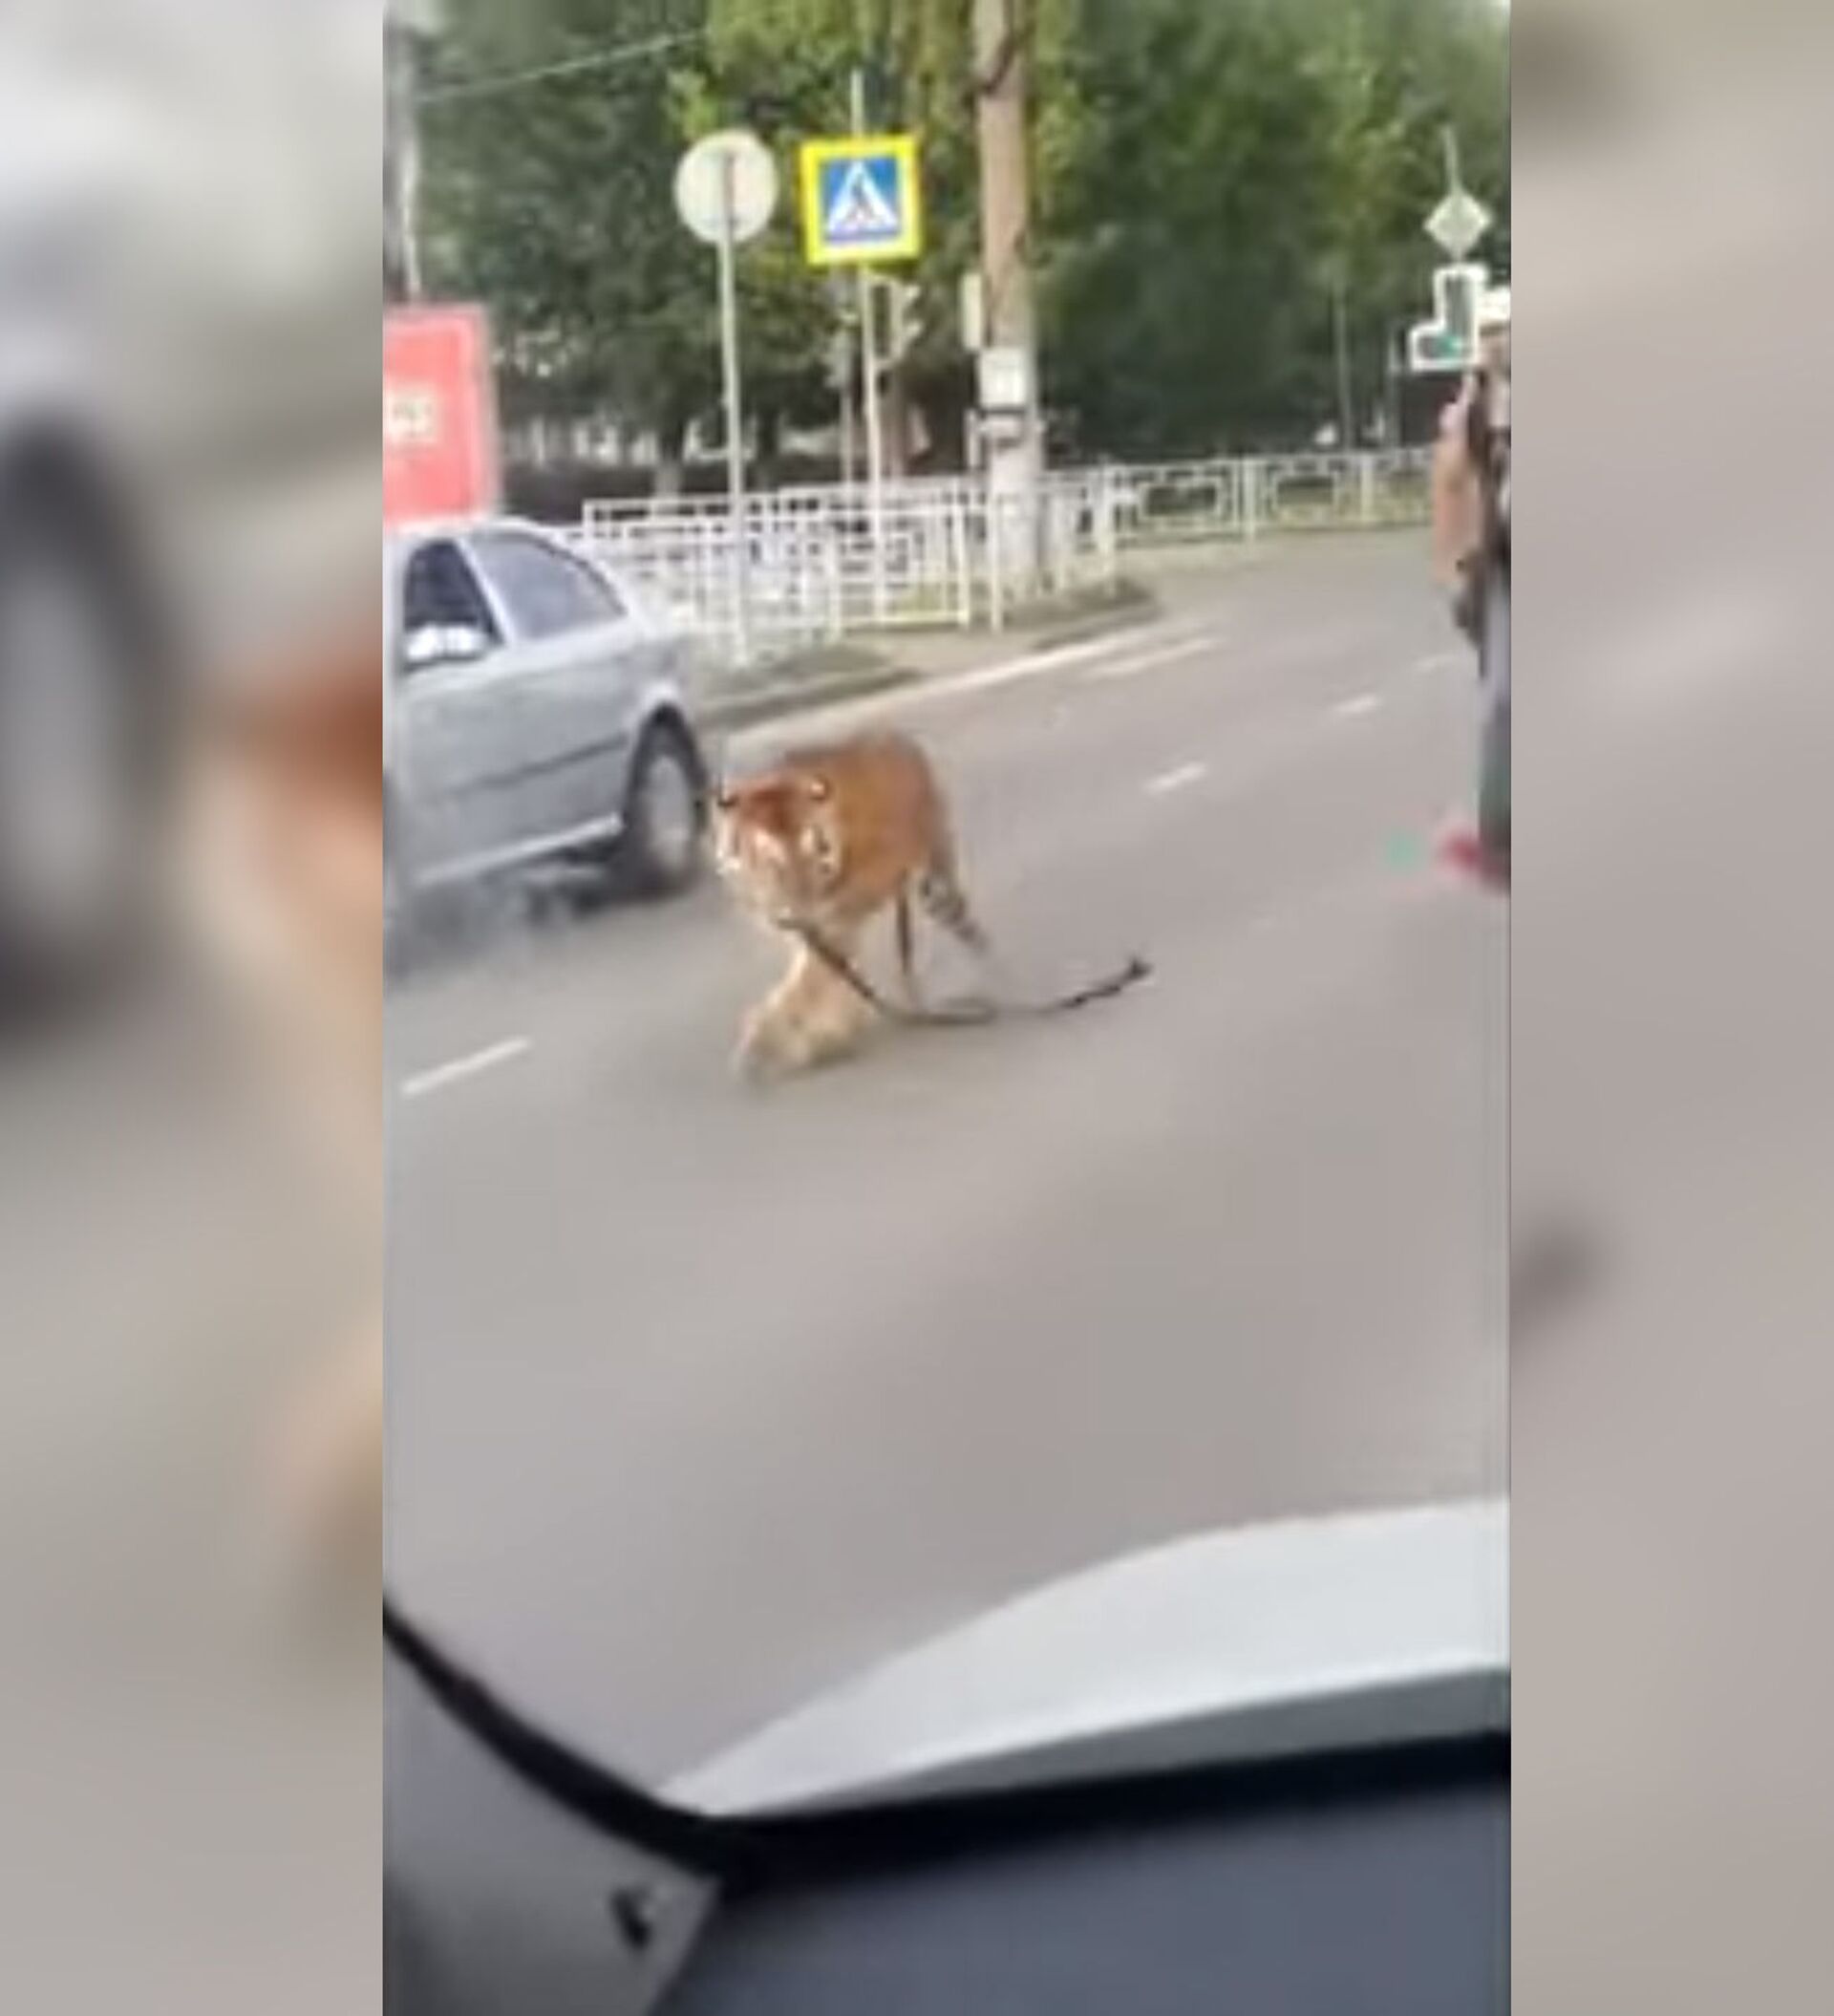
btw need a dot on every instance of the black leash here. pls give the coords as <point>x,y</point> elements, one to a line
<point>963,1015</point>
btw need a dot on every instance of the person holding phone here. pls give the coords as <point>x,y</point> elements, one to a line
<point>1471,526</point>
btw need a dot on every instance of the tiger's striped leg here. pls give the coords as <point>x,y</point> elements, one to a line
<point>907,948</point>
<point>946,902</point>
<point>829,1018</point>
<point>811,1019</point>
<point>761,1038</point>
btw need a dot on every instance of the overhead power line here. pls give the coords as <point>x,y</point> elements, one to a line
<point>612,58</point>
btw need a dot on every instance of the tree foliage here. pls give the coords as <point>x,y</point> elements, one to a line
<point>554,204</point>
<point>1208,174</point>
<point>1245,157</point>
<point>785,68</point>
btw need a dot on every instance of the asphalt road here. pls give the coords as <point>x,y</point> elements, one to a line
<point>703,1398</point>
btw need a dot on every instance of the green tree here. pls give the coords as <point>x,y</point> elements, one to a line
<point>554,202</point>
<point>784,67</point>
<point>1252,156</point>
<point>1210,177</point>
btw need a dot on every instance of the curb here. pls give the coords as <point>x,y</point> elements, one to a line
<point>1135,614</point>
<point>749,708</point>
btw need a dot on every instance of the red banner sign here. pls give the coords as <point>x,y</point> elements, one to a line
<point>440,448</point>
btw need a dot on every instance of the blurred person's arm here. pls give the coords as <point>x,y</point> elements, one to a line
<point>328,1463</point>
<point>1458,498</point>
<point>1458,510</point>
<point>290,895</point>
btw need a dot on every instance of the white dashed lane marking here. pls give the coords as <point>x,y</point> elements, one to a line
<point>445,1076</point>
<point>1354,708</point>
<point>1179,779</point>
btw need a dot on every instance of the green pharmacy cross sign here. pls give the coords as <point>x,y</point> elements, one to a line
<point>1449,342</point>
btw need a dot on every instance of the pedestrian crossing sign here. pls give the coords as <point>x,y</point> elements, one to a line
<point>861,200</point>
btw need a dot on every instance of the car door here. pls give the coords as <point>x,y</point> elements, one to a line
<point>583,661</point>
<point>462,743</point>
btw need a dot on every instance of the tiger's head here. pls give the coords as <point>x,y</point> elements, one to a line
<point>779,840</point>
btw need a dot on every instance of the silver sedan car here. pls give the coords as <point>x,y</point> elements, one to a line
<point>535,711</point>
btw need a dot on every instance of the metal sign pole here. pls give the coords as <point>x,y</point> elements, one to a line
<point>875,417</point>
<point>726,188</point>
<point>875,441</point>
<point>843,370</point>
<point>734,418</point>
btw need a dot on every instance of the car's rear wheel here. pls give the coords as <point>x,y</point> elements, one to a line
<point>665,813</point>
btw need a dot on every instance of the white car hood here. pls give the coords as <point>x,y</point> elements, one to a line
<point>1340,1633</point>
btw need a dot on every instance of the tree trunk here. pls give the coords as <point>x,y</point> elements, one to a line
<point>897,425</point>
<point>1340,344</point>
<point>670,450</point>
<point>945,405</point>
<point>768,421</point>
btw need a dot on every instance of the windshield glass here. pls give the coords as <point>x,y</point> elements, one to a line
<point>970,1043</point>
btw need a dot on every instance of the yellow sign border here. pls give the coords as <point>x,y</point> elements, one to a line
<point>818,155</point>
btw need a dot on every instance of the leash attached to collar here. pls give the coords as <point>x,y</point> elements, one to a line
<point>963,1015</point>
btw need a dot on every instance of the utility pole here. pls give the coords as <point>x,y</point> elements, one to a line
<point>1002,90</point>
<point>404,24</point>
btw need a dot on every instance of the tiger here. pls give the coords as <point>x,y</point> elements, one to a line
<point>830,839</point>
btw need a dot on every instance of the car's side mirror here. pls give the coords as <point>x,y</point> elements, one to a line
<point>445,644</point>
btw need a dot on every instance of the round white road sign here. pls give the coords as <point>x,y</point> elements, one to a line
<point>735,168</point>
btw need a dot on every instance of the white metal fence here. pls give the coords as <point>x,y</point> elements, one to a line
<point>824,563</point>
<point>1245,497</point>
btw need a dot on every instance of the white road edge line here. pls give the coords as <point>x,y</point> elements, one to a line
<point>1356,707</point>
<point>1038,664</point>
<point>1131,668</point>
<point>443,1076</point>
<point>1179,779</point>
<point>1009,672</point>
